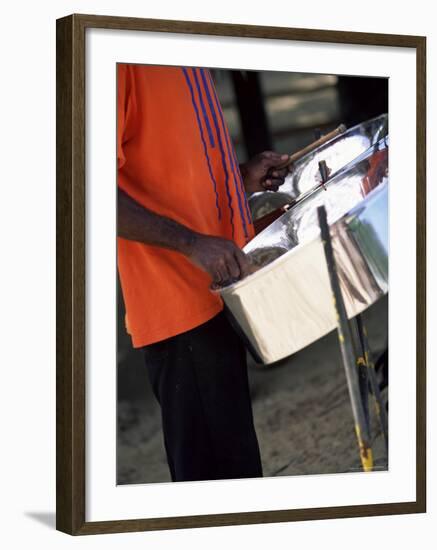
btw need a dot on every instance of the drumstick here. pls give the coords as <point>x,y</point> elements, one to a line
<point>302,152</point>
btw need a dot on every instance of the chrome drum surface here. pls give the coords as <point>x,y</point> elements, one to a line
<point>337,153</point>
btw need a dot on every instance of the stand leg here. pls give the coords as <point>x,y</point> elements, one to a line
<point>379,405</point>
<point>362,371</point>
<point>346,345</point>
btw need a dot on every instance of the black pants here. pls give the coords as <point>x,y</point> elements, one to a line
<point>200,380</point>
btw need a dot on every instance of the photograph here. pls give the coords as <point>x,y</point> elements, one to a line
<point>252,273</point>
<point>216,239</point>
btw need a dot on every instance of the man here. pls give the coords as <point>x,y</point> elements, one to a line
<point>182,221</point>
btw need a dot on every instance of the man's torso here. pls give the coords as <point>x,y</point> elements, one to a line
<point>176,158</point>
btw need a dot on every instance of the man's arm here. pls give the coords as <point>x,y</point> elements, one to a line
<point>219,257</point>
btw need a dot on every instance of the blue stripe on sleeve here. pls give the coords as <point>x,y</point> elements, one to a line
<point>205,148</point>
<point>237,167</point>
<point>229,148</point>
<point>222,153</point>
<point>205,114</point>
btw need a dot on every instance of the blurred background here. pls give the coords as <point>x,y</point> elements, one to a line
<point>301,405</point>
<point>284,111</point>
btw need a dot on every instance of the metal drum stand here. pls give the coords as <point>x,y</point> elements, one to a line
<point>358,365</point>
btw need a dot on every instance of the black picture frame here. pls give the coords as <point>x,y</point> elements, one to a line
<point>71,248</point>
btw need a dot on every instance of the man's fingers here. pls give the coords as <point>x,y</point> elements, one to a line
<point>227,269</point>
<point>220,274</point>
<point>233,267</point>
<point>270,159</point>
<point>272,155</point>
<point>271,187</point>
<point>278,172</point>
<point>245,266</point>
<point>271,184</point>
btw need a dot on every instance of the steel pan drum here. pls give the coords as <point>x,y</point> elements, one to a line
<point>287,303</point>
<point>337,153</point>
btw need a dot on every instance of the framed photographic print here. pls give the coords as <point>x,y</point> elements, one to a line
<point>240,274</point>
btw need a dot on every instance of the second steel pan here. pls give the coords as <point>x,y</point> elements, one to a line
<point>337,153</point>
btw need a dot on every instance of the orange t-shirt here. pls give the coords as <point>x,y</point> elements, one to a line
<point>175,157</point>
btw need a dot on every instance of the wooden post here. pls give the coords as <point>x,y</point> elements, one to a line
<point>253,117</point>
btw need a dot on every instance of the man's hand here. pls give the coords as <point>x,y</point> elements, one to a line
<point>221,258</point>
<point>263,172</point>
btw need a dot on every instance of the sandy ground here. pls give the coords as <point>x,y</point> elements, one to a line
<point>302,414</point>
